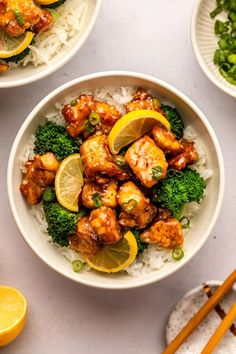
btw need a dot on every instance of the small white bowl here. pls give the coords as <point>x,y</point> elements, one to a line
<point>25,75</point>
<point>204,42</point>
<point>184,311</point>
<point>203,222</point>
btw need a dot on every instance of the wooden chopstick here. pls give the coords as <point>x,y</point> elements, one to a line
<point>219,310</point>
<point>220,331</point>
<point>201,314</point>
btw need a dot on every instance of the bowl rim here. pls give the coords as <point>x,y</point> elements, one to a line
<point>48,70</point>
<point>198,55</point>
<point>98,75</point>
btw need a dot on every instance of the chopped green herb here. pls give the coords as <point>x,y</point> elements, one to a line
<point>88,127</point>
<point>185,222</point>
<point>177,253</point>
<point>141,245</point>
<point>97,200</point>
<point>19,18</point>
<point>157,172</point>
<point>94,118</point>
<point>73,102</point>
<point>77,265</point>
<point>130,205</point>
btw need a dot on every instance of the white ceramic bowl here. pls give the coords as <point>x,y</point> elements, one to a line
<point>204,221</point>
<point>204,42</point>
<point>22,76</point>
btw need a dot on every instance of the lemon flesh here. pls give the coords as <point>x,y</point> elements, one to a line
<point>10,46</point>
<point>116,257</point>
<point>13,309</point>
<point>133,126</point>
<point>69,182</point>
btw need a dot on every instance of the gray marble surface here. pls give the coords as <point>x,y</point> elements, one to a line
<point>153,37</point>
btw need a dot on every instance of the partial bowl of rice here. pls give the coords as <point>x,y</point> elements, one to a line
<point>39,37</point>
<point>213,36</point>
<point>130,188</point>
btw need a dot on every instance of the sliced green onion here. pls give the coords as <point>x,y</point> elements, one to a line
<point>231,58</point>
<point>73,102</point>
<point>94,118</point>
<point>81,213</point>
<point>216,12</point>
<point>49,194</point>
<point>157,172</point>
<point>177,253</point>
<point>97,200</point>
<point>19,18</point>
<point>88,127</point>
<point>130,205</point>
<point>55,14</point>
<point>232,16</point>
<point>185,222</point>
<point>221,27</point>
<point>156,102</point>
<point>77,265</point>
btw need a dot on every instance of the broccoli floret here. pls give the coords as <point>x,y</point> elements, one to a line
<point>178,189</point>
<point>54,138</point>
<point>17,58</point>
<point>55,5</point>
<point>141,245</point>
<point>176,123</point>
<point>61,222</point>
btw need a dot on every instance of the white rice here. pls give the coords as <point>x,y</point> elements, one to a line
<point>153,258</point>
<point>48,44</point>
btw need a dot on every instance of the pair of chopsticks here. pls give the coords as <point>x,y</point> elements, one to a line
<point>202,313</point>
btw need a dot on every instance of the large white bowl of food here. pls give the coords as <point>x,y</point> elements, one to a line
<point>115,180</point>
<point>38,37</point>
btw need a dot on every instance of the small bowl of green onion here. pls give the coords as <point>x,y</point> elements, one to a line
<point>213,34</point>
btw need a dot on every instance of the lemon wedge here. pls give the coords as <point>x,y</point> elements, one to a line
<point>116,257</point>
<point>13,309</point>
<point>45,2</point>
<point>69,182</point>
<point>10,46</point>
<point>133,126</point>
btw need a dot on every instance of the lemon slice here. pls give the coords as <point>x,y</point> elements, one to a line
<point>116,257</point>
<point>13,309</point>
<point>45,2</point>
<point>10,45</point>
<point>133,126</point>
<point>69,182</point>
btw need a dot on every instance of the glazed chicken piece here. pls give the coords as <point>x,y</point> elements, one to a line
<point>166,233</point>
<point>97,159</point>
<point>188,156</point>
<point>84,241</point>
<point>147,161</point>
<point>109,115</point>
<point>3,68</point>
<point>143,100</point>
<point>104,223</point>
<point>45,22</point>
<point>77,113</point>
<point>166,140</point>
<point>29,12</point>
<point>40,174</point>
<point>94,195</point>
<point>138,210</point>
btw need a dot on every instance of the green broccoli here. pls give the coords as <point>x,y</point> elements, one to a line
<point>141,245</point>
<point>176,123</point>
<point>178,189</point>
<point>17,58</point>
<point>54,138</point>
<point>55,4</point>
<point>61,222</point>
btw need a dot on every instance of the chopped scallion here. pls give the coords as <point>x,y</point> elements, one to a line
<point>19,18</point>
<point>177,253</point>
<point>77,265</point>
<point>97,200</point>
<point>94,118</point>
<point>130,205</point>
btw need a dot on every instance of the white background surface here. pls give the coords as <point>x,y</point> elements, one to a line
<point>152,37</point>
